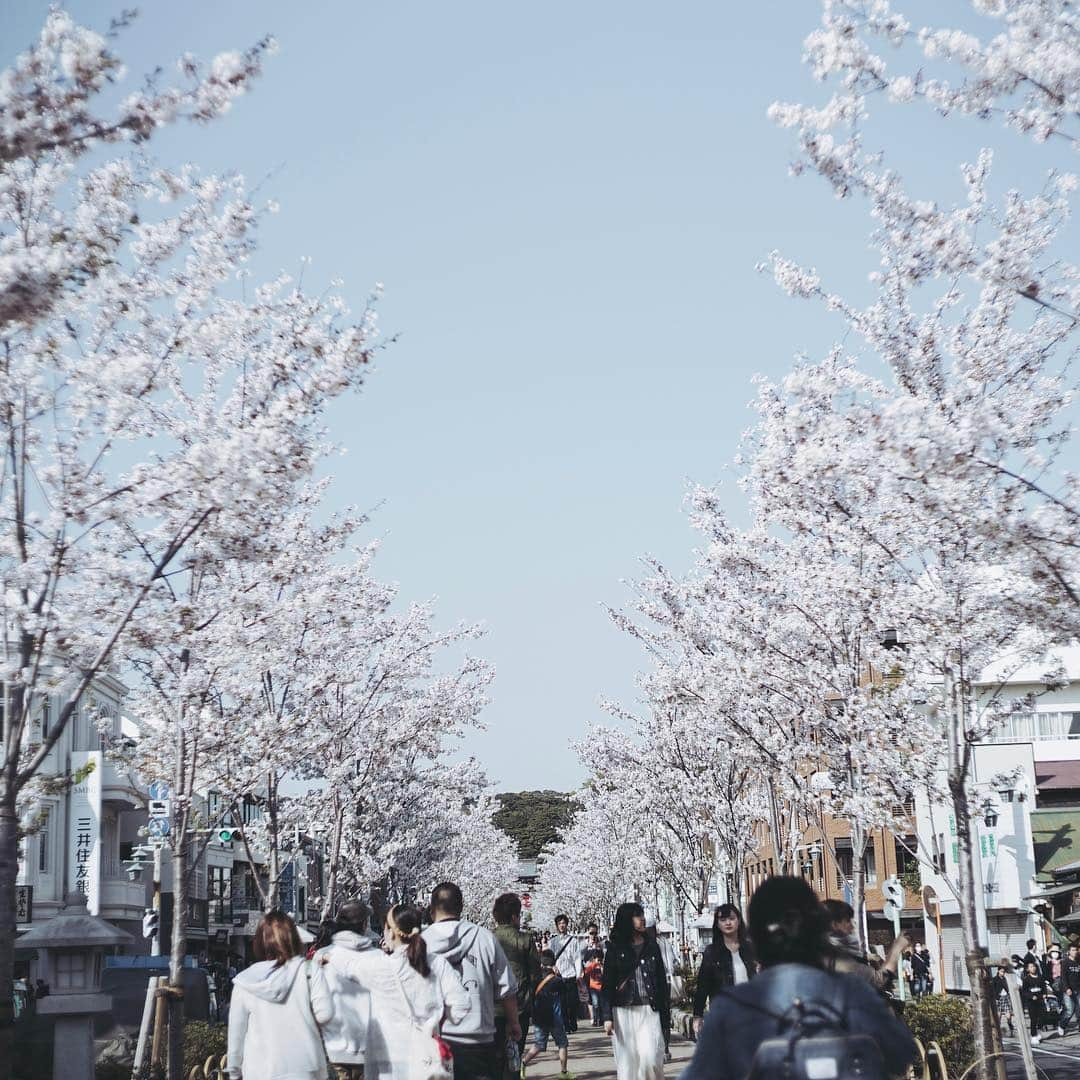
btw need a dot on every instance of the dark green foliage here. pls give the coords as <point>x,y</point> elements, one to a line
<point>201,1041</point>
<point>946,1021</point>
<point>534,819</point>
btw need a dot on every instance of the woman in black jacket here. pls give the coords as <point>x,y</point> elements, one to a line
<point>728,961</point>
<point>1033,992</point>
<point>634,999</point>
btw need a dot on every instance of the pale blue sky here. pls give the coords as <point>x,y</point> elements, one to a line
<point>566,203</point>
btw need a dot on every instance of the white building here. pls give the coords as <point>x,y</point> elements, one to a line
<point>1041,748</point>
<point>80,836</point>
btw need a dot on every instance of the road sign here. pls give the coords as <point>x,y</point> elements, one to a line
<point>929,900</point>
<point>158,790</point>
<point>158,808</point>
<point>158,826</point>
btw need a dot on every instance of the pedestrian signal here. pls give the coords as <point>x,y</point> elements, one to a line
<point>150,922</point>
<point>526,901</point>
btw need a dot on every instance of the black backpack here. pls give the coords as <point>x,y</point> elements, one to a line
<point>816,1045</point>
<point>547,993</point>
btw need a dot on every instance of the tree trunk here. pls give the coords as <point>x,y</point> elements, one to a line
<point>176,953</point>
<point>986,1044</point>
<point>9,870</point>
<point>335,858</point>
<point>859,843</point>
<point>987,1036</point>
<point>273,899</point>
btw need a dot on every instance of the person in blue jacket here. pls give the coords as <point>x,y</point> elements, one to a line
<point>787,928</point>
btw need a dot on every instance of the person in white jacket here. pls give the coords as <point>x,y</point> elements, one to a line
<point>277,1006</point>
<point>345,1033</point>
<point>409,991</point>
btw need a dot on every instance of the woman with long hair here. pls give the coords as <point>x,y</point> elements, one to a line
<point>277,1006</point>
<point>634,997</point>
<point>409,990</point>
<point>794,994</point>
<point>728,961</point>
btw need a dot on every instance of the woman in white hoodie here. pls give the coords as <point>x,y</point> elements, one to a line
<point>411,993</point>
<point>277,1006</point>
<point>345,1033</point>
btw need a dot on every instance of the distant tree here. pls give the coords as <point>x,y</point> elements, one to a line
<point>535,820</point>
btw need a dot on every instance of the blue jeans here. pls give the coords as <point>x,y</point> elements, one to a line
<point>1068,1010</point>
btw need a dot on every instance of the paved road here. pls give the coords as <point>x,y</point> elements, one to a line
<point>1055,1058</point>
<point>590,1057</point>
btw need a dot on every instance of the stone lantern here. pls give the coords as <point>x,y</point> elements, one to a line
<point>71,948</point>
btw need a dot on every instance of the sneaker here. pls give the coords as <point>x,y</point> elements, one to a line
<point>1036,1039</point>
<point>1061,1031</point>
<point>667,1056</point>
<point>566,1076</point>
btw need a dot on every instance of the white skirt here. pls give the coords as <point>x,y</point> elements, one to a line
<point>638,1043</point>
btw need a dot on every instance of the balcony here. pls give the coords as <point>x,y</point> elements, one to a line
<point>121,898</point>
<point>118,786</point>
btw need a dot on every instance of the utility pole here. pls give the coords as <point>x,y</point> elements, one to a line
<point>155,903</point>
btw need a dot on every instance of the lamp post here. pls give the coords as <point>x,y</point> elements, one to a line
<point>71,948</point>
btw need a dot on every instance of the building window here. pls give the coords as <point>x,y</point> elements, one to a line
<point>1029,726</point>
<point>44,854</point>
<point>46,717</point>
<point>219,893</point>
<point>844,864</point>
<point>870,865</point>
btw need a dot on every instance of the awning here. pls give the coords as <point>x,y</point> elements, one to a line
<point>1066,868</point>
<point>1072,917</point>
<point>1051,775</point>
<point>1054,890</point>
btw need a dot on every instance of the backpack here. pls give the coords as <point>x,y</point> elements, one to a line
<point>544,1001</point>
<point>815,1045</point>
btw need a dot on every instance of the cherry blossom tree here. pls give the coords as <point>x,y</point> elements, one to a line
<point>156,414</point>
<point>599,863</point>
<point>951,464</point>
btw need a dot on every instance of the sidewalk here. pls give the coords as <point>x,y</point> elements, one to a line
<point>591,1059</point>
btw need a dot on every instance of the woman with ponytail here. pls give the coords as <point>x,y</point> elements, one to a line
<point>408,991</point>
<point>788,928</point>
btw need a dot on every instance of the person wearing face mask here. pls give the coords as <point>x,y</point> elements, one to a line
<point>728,961</point>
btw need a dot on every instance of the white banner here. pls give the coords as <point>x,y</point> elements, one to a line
<point>84,836</point>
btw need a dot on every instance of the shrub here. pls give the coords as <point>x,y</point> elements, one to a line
<point>946,1021</point>
<point>203,1040</point>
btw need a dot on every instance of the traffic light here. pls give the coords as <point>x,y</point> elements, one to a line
<point>228,833</point>
<point>150,921</point>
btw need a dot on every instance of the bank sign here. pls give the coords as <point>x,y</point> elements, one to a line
<point>84,831</point>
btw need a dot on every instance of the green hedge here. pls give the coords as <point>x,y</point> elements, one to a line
<point>203,1040</point>
<point>946,1021</point>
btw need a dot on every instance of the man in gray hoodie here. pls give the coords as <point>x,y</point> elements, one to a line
<point>483,967</point>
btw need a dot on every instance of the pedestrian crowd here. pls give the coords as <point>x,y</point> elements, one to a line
<point>1048,985</point>
<point>438,997</point>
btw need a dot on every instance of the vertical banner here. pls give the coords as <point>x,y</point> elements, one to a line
<point>84,836</point>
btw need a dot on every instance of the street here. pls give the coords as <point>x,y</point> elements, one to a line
<point>591,1058</point>
<point>1058,1059</point>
